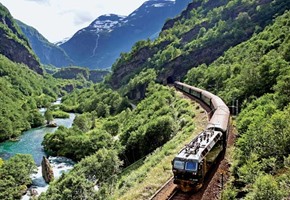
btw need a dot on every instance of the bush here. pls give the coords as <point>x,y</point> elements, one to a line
<point>265,187</point>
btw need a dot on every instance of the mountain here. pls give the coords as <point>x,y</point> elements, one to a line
<point>100,44</point>
<point>199,35</point>
<point>14,44</point>
<point>48,53</point>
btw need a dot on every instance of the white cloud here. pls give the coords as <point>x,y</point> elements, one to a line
<point>58,19</point>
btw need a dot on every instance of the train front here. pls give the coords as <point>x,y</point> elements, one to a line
<point>187,172</point>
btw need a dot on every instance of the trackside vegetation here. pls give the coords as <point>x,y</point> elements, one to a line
<point>133,133</point>
<point>256,73</point>
<point>239,50</point>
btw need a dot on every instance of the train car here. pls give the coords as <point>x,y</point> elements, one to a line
<point>196,159</point>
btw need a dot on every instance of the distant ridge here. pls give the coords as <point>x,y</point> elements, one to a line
<point>100,44</point>
<point>48,53</point>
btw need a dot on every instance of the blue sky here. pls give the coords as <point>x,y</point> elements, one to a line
<point>59,19</point>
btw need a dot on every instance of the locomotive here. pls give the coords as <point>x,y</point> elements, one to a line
<point>191,165</point>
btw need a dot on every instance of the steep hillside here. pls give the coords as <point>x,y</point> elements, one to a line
<point>256,73</point>
<point>14,44</point>
<point>48,53</point>
<point>100,44</point>
<point>24,87</point>
<point>253,39</point>
<point>22,91</point>
<point>200,35</point>
<point>80,73</point>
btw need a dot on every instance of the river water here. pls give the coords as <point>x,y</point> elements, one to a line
<point>30,143</point>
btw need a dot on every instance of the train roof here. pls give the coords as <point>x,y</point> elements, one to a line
<point>198,148</point>
<point>220,119</point>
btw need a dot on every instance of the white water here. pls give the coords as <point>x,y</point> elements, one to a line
<point>59,165</point>
<point>30,143</point>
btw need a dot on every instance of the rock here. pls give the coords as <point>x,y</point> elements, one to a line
<point>33,192</point>
<point>47,172</point>
<point>52,124</point>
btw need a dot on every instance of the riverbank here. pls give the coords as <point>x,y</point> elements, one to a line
<point>30,141</point>
<point>59,165</point>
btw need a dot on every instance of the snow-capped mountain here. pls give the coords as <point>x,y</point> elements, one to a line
<point>106,23</point>
<point>100,44</point>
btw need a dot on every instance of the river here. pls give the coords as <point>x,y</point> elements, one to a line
<point>30,143</point>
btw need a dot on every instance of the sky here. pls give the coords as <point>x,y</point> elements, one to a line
<point>60,19</point>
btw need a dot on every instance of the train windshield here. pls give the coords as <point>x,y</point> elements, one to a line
<point>178,164</point>
<point>191,166</point>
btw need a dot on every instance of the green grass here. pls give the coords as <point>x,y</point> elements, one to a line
<point>144,180</point>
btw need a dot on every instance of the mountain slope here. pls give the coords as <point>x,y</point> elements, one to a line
<point>99,44</point>
<point>256,73</point>
<point>14,44</point>
<point>200,35</point>
<point>48,53</point>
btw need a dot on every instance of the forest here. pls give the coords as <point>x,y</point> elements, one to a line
<point>130,124</point>
<point>256,73</point>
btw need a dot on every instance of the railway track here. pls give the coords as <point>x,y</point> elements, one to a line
<point>211,188</point>
<point>212,184</point>
<point>169,190</point>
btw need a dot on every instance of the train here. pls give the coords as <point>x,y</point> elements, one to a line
<point>193,162</point>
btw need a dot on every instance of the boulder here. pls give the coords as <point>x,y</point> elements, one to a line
<point>51,124</point>
<point>47,172</point>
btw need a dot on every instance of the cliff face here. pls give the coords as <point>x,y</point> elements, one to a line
<point>126,70</point>
<point>14,45</point>
<point>199,35</point>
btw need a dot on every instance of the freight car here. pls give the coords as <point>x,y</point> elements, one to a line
<point>196,159</point>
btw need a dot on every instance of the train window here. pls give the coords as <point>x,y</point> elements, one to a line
<point>191,166</point>
<point>178,164</point>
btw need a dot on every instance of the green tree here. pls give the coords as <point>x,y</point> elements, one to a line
<point>48,116</point>
<point>265,187</point>
<point>83,122</point>
<point>15,176</point>
<point>81,182</point>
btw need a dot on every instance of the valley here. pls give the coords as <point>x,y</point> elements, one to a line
<point>238,50</point>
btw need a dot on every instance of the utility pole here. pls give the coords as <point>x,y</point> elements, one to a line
<point>233,107</point>
<point>237,107</point>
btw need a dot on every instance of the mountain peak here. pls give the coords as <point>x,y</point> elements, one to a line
<point>106,22</point>
<point>101,43</point>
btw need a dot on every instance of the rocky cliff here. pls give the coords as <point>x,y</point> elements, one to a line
<point>14,44</point>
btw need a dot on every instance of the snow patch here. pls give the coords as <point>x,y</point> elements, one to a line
<point>159,5</point>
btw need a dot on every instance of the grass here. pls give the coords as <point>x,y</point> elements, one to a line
<point>146,179</point>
